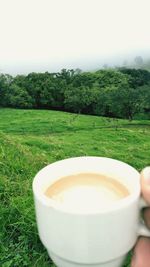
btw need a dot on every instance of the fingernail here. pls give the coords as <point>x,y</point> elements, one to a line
<point>146,175</point>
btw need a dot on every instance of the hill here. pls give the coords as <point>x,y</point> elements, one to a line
<point>31,139</point>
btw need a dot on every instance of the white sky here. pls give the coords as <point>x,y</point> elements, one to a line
<point>41,35</point>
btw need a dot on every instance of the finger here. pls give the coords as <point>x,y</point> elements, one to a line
<point>146,215</point>
<point>141,256</point>
<point>145,184</point>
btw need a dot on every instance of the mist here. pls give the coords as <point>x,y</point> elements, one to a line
<point>47,35</point>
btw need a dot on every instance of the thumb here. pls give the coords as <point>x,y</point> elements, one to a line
<point>145,184</point>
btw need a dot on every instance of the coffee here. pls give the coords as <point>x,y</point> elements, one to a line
<point>86,191</point>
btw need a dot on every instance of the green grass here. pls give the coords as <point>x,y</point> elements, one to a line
<point>31,139</point>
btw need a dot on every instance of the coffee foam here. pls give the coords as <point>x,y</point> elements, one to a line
<point>86,191</point>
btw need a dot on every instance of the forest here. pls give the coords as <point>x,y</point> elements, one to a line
<point>120,93</point>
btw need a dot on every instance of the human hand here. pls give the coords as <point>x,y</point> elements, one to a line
<point>141,257</point>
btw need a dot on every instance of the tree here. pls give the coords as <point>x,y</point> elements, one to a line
<point>126,102</point>
<point>67,75</point>
<point>145,92</point>
<point>137,77</point>
<point>2,90</point>
<point>5,83</point>
<point>105,66</point>
<point>111,92</point>
<point>78,99</point>
<point>106,78</point>
<point>17,97</point>
<point>125,63</point>
<point>138,61</point>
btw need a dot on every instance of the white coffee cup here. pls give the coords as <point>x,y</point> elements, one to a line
<point>95,239</point>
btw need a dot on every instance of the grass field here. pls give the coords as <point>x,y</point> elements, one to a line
<point>31,139</point>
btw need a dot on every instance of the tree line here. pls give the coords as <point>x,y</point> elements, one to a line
<point>120,93</point>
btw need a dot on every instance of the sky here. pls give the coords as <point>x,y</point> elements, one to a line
<point>48,35</point>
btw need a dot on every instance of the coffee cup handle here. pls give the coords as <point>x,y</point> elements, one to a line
<point>143,230</point>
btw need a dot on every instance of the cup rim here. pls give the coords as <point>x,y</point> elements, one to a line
<point>122,203</point>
